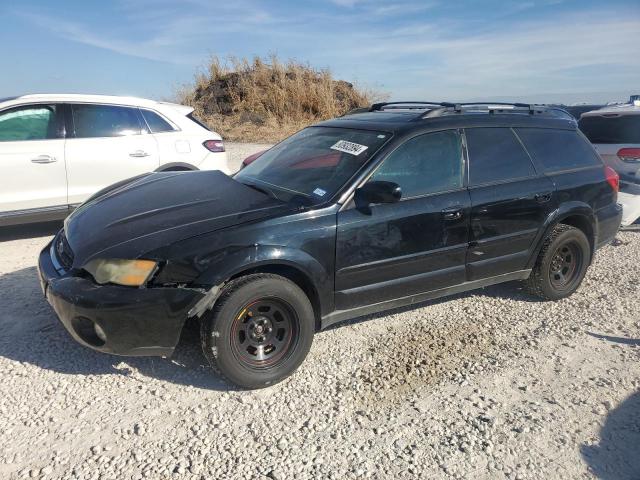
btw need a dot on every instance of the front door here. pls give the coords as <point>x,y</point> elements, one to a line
<point>418,244</point>
<point>32,168</point>
<point>109,144</point>
<point>509,202</point>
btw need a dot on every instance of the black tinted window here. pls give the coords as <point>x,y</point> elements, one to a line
<point>33,122</point>
<point>495,154</point>
<point>558,150</point>
<point>105,121</point>
<point>156,123</point>
<point>613,129</point>
<point>426,164</point>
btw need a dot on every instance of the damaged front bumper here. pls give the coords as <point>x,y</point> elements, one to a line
<point>114,319</point>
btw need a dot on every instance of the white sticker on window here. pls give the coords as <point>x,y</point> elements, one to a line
<point>349,147</point>
<point>320,192</point>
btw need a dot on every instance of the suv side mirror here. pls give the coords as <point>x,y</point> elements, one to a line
<point>378,191</point>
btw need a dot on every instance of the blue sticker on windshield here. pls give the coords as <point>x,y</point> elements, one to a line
<point>319,192</point>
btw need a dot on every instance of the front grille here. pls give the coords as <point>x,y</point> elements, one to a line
<point>62,251</point>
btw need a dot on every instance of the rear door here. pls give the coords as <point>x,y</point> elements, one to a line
<point>32,169</point>
<point>393,250</point>
<point>509,202</point>
<point>109,143</point>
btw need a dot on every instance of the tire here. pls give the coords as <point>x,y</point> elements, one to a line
<point>259,331</point>
<point>561,264</point>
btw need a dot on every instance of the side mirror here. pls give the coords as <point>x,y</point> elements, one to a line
<point>378,191</point>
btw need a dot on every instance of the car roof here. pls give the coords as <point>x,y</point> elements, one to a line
<point>77,97</point>
<point>451,116</point>
<point>619,109</point>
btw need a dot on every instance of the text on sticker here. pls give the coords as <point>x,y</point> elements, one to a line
<point>349,147</point>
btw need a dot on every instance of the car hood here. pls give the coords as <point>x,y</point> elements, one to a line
<point>150,211</point>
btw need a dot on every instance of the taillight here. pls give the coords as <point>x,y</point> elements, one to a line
<point>629,155</point>
<point>214,145</point>
<point>613,178</point>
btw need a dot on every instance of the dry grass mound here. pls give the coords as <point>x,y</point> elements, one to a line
<point>260,101</point>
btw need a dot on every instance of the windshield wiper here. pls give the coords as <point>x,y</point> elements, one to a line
<point>266,191</point>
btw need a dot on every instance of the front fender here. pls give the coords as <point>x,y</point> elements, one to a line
<point>250,258</point>
<point>566,210</point>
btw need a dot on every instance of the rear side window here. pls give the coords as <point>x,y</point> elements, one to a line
<point>156,123</point>
<point>425,164</point>
<point>495,154</point>
<point>32,122</point>
<point>611,129</point>
<point>105,121</point>
<point>558,150</point>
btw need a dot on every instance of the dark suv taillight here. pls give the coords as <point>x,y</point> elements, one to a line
<point>214,145</point>
<point>613,178</point>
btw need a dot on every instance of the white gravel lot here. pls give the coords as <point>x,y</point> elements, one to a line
<point>489,384</point>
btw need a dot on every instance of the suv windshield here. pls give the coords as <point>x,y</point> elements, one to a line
<point>611,129</point>
<point>312,165</point>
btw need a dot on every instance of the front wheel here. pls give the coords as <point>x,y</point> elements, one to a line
<point>259,331</point>
<point>561,264</point>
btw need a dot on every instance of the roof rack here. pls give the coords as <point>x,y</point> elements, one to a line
<point>501,107</point>
<point>407,105</point>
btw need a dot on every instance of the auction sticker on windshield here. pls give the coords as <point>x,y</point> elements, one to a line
<point>349,147</point>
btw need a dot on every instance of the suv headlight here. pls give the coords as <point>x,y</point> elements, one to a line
<point>131,273</point>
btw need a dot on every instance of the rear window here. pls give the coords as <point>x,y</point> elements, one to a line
<point>558,150</point>
<point>156,123</point>
<point>611,129</point>
<point>495,154</point>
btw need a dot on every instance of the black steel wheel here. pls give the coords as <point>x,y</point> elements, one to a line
<point>561,264</point>
<point>259,331</point>
<point>263,332</point>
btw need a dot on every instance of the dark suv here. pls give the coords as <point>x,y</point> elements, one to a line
<point>367,212</point>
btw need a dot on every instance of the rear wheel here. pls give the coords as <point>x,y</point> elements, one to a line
<point>561,264</point>
<point>259,331</point>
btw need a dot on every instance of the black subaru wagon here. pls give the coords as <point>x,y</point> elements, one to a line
<point>367,212</point>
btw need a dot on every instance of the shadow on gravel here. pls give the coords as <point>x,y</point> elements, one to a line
<point>19,232</point>
<point>31,333</point>
<point>508,290</point>
<point>623,340</point>
<point>617,456</point>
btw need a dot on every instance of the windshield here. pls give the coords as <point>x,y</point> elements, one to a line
<point>312,165</point>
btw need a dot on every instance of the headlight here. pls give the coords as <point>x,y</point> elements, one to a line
<point>132,273</point>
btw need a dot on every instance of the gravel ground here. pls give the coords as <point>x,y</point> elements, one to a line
<point>489,384</point>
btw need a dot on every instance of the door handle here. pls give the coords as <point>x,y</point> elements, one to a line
<point>139,154</point>
<point>453,213</point>
<point>44,159</point>
<point>543,197</point>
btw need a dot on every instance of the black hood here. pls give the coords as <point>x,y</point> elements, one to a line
<point>151,211</point>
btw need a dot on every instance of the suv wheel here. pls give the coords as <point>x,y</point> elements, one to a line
<point>561,264</point>
<point>259,331</point>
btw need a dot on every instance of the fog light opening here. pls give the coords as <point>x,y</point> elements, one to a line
<point>89,331</point>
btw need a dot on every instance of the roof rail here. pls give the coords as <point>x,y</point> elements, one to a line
<point>408,105</point>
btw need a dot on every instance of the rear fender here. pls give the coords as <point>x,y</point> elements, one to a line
<point>566,210</point>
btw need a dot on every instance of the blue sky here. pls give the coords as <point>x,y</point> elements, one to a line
<point>535,50</point>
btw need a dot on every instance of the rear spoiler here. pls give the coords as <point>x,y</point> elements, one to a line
<point>182,109</point>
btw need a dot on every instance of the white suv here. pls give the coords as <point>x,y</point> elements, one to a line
<point>58,150</point>
<point>614,131</point>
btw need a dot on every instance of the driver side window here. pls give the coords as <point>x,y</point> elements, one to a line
<point>425,164</point>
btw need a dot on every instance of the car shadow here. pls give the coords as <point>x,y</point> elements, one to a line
<point>617,456</point>
<point>31,333</point>
<point>622,340</point>
<point>32,230</point>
